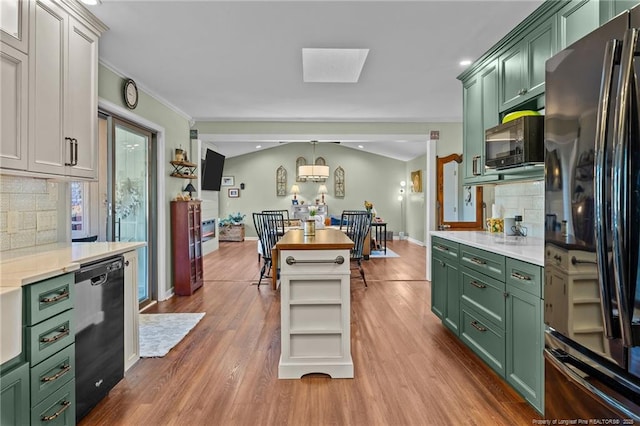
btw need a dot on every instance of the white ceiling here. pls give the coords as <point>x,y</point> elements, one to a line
<point>242,60</point>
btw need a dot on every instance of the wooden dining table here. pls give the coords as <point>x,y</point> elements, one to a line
<point>294,239</point>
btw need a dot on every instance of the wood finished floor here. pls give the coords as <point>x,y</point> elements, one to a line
<point>409,369</point>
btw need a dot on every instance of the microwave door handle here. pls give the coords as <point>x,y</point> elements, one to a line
<point>619,191</point>
<point>611,57</point>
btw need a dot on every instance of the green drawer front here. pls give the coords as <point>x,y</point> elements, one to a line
<point>490,264</point>
<point>445,247</point>
<point>58,409</point>
<point>48,298</point>
<point>485,294</point>
<point>50,336</point>
<point>484,338</point>
<point>524,276</point>
<point>52,373</point>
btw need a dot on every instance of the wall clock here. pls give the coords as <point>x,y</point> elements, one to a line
<point>130,93</point>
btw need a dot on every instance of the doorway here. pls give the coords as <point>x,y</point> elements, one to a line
<point>130,195</point>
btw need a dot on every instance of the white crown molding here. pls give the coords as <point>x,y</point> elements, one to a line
<point>421,120</point>
<point>148,91</point>
<point>321,138</point>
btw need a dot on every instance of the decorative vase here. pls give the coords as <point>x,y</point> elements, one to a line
<point>309,227</point>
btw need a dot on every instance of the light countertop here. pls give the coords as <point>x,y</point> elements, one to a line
<point>527,249</point>
<point>26,266</point>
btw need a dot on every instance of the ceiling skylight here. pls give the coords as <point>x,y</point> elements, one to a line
<point>332,65</point>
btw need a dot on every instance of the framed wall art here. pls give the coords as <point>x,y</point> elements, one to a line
<point>281,182</point>
<point>227,181</point>
<point>233,192</point>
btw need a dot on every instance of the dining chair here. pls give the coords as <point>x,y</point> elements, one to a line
<point>356,224</point>
<point>268,227</point>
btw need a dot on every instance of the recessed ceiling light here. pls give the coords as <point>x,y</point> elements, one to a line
<point>90,2</point>
<point>360,146</point>
<point>332,65</point>
<point>465,62</point>
<point>258,146</point>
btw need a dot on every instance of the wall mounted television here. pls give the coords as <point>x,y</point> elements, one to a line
<point>212,167</point>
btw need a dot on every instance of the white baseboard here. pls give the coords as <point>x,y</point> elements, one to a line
<point>414,241</point>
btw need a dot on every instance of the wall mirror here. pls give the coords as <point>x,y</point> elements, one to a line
<point>459,206</point>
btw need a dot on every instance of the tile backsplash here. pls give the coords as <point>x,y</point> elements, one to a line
<point>28,212</point>
<point>525,199</point>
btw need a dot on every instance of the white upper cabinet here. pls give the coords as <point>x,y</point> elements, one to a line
<point>63,95</point>
<point>49,115</point>
<point>14,23</point>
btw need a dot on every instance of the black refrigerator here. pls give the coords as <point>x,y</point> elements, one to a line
<point>592,227</point>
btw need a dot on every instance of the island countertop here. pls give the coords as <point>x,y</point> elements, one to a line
<point>27,266</point>
<point>527,249</point>
<point>324,239</point>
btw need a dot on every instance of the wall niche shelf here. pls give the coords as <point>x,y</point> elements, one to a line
<point>184,169</point>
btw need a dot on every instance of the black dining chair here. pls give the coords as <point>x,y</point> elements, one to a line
<point>267,226</point>
<point>356,224</point>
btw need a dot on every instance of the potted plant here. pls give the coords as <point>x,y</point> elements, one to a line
<point>232,227</point>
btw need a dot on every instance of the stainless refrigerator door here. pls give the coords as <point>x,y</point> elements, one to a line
<point>573,299</point>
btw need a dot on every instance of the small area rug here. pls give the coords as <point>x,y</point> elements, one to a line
<point>380,253</point>
<point>161,332</point>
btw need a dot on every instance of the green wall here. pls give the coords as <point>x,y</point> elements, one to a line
<point>367,177</point>
<point>176,134</point>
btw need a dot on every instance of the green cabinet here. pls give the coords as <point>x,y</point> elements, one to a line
<point>522,67</point>
<point>494,304</point>
<point>480,111</point>
<point>524,345</point>
<point>577,19</point>
<point>445,288</point>
<point>14,396</point>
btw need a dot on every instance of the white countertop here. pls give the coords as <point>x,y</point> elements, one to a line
<point>527,249</point>
<point>26,266</point>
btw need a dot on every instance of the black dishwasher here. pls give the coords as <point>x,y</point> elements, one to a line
<point>99,318</point>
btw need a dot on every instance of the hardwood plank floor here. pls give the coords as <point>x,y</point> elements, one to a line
<point>409,369</point>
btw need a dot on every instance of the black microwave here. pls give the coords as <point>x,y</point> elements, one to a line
<point>518,142</point>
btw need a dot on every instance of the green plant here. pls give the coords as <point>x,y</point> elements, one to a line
<point>232,219</point>
<point>312,211</point>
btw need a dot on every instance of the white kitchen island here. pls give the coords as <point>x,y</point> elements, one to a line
<point>315,304</point>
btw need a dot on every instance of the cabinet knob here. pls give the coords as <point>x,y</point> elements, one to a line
<point>126,263</point>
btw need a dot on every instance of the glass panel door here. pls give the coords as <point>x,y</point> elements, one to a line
<point>130,182</point>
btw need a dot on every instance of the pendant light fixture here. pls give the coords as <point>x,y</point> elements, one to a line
<point>313,172</point>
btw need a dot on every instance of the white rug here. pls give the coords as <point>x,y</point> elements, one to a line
<point>161,332</point>
<point>380,253</point>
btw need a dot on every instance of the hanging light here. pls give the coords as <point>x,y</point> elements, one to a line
<point>313,171</point>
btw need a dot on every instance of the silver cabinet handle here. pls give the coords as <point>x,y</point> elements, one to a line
<point>478,261</point>
<point>75,150</point>
<point>443,248</point>
<point>292,261</point>
<point>478,327</point>
<point>520,277</point>
<point>477,285</point>
<point>576,261</point>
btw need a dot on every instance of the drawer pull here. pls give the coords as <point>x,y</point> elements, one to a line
<point>520,277</point>
<point>65,405</point>
<point>478,261</point>
<point>65,368</point>
<point>292,260</point>
<point>478,327</point>
<point>477,284</point>
<point>64,331</point>
<point>63,295</point>
<point>443,248</point>
<point>575,261</point>
<point>557,258</point>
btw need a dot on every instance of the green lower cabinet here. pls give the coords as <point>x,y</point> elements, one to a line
<point>14,396</point>
<point>524,345</point>
<point>452,313</point>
